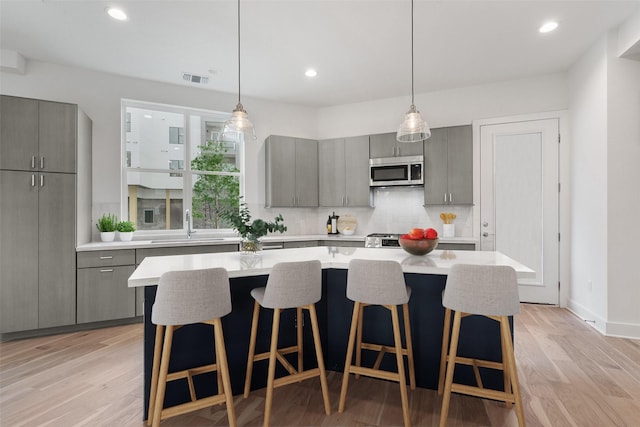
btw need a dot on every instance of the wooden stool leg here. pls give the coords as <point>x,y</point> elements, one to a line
<point>252,348</point>
<point>511,360</point>
<point>359,339</point>
<point>157,351</point>
<point>272,365</point>
<point>451,365</point>
<point>402,380</point>
<point>223,370</point>
<point>347,363</point>
<point>299,323</point>
<point>162,380</point>
<point>445,350</point>
<point>506,372</point>
<point>407,335</point>
<point>318,345</point>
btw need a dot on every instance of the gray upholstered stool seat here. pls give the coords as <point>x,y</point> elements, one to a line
<point>183,298</point>
<point>379,283</point>
<point>290,285</point>
<point>490,291</point>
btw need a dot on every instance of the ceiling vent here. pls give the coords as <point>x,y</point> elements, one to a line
<point>194,78</point>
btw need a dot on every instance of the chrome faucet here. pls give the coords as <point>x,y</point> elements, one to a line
<point>188,218</point>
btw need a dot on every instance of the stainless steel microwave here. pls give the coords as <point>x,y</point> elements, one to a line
<point>389,171</point>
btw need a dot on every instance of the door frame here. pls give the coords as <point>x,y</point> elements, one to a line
<point>564,176</point>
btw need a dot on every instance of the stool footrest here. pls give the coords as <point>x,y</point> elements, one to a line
<point>483,392</point>
<point>191,372</point>
<point>479,362</point>
<point>184,408</point>
<point>382,348</point>
<point>294,378</point>
<point>374,373</point>
<point>265,356</point>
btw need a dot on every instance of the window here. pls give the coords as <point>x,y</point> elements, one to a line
<point>175,160</point>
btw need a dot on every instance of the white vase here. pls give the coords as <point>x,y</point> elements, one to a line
<point>125,236</point>
<point>107,236</point>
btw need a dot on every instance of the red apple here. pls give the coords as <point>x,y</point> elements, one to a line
<point>430,234</point>
<point>405,236</point>
<point>416,234</point>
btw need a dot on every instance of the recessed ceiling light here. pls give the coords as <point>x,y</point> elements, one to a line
<point>548,27</point>
<point>116,13</point>
<point>311,73</point>
<point>148,116</point>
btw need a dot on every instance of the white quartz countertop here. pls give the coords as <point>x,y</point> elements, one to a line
<point>209,240</point>
<point>242,265</point>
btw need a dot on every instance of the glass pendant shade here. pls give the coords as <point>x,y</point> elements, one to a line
<point>239,123</point>
<point>413,128</point>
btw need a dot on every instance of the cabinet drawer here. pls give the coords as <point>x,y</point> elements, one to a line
<point>141,254</point>
<point>103,294</point>
<point>457,246</point>
<point>106,258</point>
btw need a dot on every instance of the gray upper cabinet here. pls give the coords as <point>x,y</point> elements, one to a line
<point>386,145</point>
<point>344,171</point>
<point>291,172</point>
<point>37,135</point>
<point>448,166</point>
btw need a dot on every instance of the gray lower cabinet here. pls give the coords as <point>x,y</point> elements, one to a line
<point>103,292</point>
<point>386,145</point>
<point>343,168</point>
<point>448,166</point>
<point>342,244</point>
<point>300,244</point>
<point>37,262</point>
<point>291,171</point>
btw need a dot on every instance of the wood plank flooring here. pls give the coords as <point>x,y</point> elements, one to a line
<point>570,375</point>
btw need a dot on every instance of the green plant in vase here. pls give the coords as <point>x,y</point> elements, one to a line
<point>107,226</point>
<point>125,230</point>
<point>252,230</point>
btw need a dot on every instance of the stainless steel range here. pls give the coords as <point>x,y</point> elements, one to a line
<point>382,240</point>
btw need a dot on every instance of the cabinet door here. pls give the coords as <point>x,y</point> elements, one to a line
<point>357,171</point>
<point>435,168</point>
<point>57,136</point>
<point>460,163</point>
<point>18,252</point>
<point>382,145</point>
<point>280,157</point>
<point>306,167</point>
<point>409,148</point>
<point>56,249</point>
<point>103,294</point>
<point>331,171</point>
<point>18,133</point>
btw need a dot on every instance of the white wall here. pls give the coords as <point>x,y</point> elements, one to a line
<point>623,191</point>
<point>588,121</point>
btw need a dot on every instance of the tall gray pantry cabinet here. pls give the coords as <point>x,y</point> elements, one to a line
<point>45,210</point>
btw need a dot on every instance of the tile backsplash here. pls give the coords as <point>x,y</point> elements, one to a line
<point>397,210</point>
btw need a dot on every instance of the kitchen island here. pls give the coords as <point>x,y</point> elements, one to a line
<point>426,275</point>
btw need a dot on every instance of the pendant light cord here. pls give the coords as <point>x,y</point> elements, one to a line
<point>239,51</point>
<point>412,100</point>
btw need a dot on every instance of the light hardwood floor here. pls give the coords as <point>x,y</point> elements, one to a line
<point>570,376</point>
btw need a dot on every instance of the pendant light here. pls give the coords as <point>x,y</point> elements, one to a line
<point>413,128</point>
<point>239,121</point>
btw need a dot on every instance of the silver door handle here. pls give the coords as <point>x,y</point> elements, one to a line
<point>485,234</point>
<point>450,198</point>
<point>33,180</point>
<point>270,247</point>
<point>41,180</point>
<point>33,162</point>
<point>445,197</point>
<point>110,270</point>
<point>346,200</point>
<point>106,257</point>
<point>42,162</point>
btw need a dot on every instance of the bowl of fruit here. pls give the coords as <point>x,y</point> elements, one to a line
<point>419,241</point>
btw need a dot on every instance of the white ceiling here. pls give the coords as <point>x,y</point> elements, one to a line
<point>361,49</point>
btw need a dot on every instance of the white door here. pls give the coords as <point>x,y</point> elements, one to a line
<point>519,194</point>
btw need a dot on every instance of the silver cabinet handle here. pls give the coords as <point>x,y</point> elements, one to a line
<point>106,257</point>
<point>485,234</point>
<point>33,180</point>
<point>41,180</point>
<point>269,247</point>
<point>42,162</point>
<point>107,270</point>
<point>445,197</point>
<point>346,200</point>
<point>450,198</point>
<point>33,162</point>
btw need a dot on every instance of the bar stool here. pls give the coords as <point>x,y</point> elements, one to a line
<point>379,283</point>
<point>184,298</point>
<point>290,285</point>
<point>490,291</point>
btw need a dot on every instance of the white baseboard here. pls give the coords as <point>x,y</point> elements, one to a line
<point>610,329</point>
